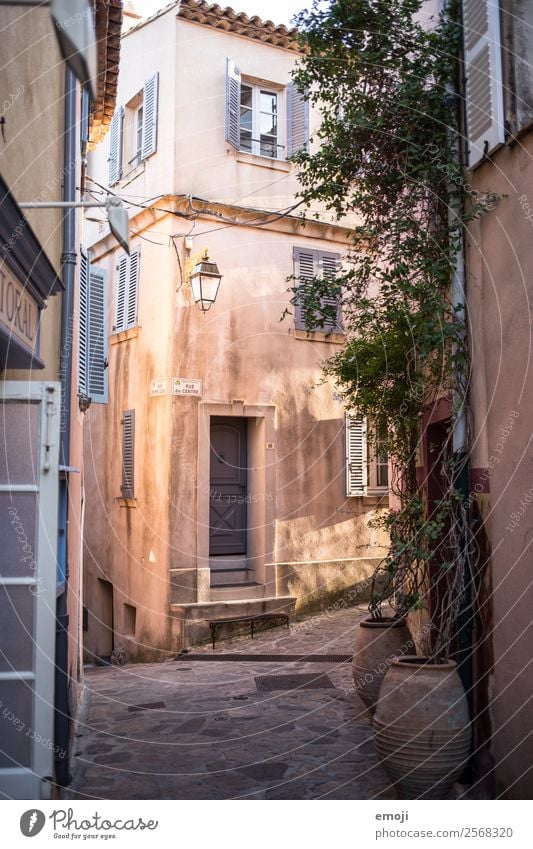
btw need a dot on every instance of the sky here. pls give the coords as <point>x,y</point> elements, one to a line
<point>278,11</point>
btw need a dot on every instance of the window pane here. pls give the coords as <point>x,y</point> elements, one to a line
<point>383,475</point>
<point>268,146</point>
<point>269,102</point>
<point>246,140</point>
<point>246,96</point>
<point>246,119</point>
<point>268,124</point>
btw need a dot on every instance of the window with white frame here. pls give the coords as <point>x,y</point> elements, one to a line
<point>133,131</point>
<point>367,464</point>
<point>127,291</point>
<point>265,119</point>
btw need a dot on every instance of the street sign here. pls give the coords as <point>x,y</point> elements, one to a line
<point>187,386</point>
<point>159,387</point>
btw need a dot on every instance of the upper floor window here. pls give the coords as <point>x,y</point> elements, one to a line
<point>133,131</point>
<point>127,291</point>
<point>265,119</point>
<point>259,121</point>
<point>92,324</point>
<point>367,463</point>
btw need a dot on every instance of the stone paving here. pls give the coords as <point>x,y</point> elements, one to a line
<point>190,729</point>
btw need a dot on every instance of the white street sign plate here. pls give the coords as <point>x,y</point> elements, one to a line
<point>159,387</point>
<point>187,386</point>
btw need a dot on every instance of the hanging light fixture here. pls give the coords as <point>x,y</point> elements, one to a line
<point>204,278</point>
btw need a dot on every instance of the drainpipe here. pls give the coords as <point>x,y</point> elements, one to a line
<point>68,265</point>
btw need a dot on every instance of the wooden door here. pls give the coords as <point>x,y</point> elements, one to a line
<point>228,486</point>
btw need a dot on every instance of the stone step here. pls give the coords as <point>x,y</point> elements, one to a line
<point>237,591</point>
<point>194,618</point>
<point>223,577</point>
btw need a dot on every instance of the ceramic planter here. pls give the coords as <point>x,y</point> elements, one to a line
<point>422,727</point>
<point>377,642</point>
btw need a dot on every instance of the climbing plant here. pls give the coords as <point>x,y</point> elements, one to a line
<point>385,163</point>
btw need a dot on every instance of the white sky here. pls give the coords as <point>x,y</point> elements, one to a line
<point>278,11</point>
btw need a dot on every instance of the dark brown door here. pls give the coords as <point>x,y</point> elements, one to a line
<point>228,486</point>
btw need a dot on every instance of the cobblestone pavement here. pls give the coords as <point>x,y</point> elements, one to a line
<point>191,729</point>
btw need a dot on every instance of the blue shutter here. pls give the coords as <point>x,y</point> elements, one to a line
<point>121,293</point>
<point>304,270</point>
<point>133,288</point>
<point>83,324</point>
<point>97,335</point>
<point>297,121</point>
<point>233,104</point>
<point>115,146</point>
<point>149,127</point>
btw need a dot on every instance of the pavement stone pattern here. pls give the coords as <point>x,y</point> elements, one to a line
<point>202,730</point>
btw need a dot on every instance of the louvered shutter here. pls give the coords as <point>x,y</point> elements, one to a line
<point>356,456</point>
<point>329,263</point>
<point>149,127</point>
<point>233,104</point>
<point>133,288</point>
<point>97,335</point>
<point>128,454</point>
<point>297,121</point>
<point>483,71</point>
<point>122,291</point>
<point>115,146</point>
<point>83,329</point>
<point>304,269</point>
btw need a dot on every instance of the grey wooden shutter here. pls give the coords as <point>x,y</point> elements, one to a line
<point>115,146</point>
<point>483,71</point>
<point>329,266</point>
<point>133,288</point>
<point>122,290</point>
<point>128,454</point>
<point>97,335</point>
<point>83,328</point>
<point>149,127</point>
<point>305,262</point>
<point>233,104</point>
<point>356,456</point>
<point>297,121</point>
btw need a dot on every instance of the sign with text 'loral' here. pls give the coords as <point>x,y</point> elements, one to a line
<point>187,386</point>
<point>159,387</point>
<point>19,314</point>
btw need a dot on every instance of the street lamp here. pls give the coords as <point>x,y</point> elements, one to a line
<point>204,278</point>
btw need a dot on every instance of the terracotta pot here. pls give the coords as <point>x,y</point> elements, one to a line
<point>377,642</point>
<point>422,727</point>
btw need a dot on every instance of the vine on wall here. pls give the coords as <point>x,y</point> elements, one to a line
<point>383,79</point>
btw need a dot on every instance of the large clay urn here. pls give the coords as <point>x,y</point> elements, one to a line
<point>377,642</point>
<point>422,727</point>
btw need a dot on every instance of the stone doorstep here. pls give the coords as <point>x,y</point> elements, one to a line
<point>196,616</point>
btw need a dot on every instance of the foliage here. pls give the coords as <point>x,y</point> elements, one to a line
<point>385,162</point>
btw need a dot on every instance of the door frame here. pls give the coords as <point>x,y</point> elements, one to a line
<point>261,488</point>
<point>33,782</point>
<point>242,461</point>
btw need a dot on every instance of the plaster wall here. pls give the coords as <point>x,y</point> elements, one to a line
<point>499,256</point>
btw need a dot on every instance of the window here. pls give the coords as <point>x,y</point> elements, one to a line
<point>92,346</point>
<point>254,116</point>
<point>133,131</point>
<point>259,121</point>
<point>127,291</point>
<point>483,71</point>
<point>312,264</point>
<point>128,454</point>
<point>367,465</point>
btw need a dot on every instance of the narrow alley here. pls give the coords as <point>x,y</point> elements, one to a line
<point>232,724</point>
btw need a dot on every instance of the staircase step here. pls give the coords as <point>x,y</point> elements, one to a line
<point>237,591</point>
<point>221,577</point>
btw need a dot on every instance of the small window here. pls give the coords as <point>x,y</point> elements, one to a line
<point>133,132</point>
<point>138,133</point>
<point>127,291</point>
